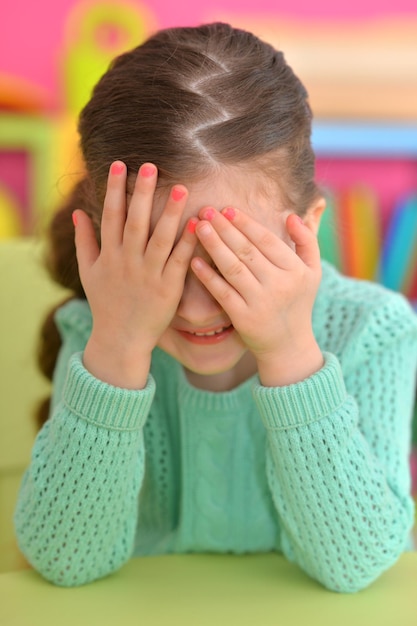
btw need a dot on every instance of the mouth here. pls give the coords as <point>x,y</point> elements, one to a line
<point>207,337</point>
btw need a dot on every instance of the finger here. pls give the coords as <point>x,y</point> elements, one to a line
<point>136,232</point>
<point>179,262</point>
<point>165,233</point>
<point>85,241</point>
<point>114,207</point>
<point>306,244</point>
<point>224,293</point>
<point>246,251</point>
<point>233,269</point>
<point>267,242</point>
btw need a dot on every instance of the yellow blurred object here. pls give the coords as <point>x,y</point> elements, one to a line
<point>10,223</point>
<point>98,32</point>
<point>68,162</point>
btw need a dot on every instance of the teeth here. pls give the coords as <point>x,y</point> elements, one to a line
<point>209,334</point>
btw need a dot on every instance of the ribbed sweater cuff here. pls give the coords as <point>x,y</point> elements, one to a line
<point>307,401</point>
<point>102,404</point>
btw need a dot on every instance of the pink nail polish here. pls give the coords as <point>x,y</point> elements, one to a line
<point>74,219</point>
<point>191,226</point>
<point>229,213</point>
<point>209,214</point>
<point>117,169</point>
<point>177,194</point>
<point>147,170</point>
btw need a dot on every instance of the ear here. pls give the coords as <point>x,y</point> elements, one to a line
<point>313,216</point>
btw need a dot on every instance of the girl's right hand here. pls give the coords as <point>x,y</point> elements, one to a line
<point>134,283</point>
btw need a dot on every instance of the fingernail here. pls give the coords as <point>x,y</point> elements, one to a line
<point>74,219</point>
<point>209,214</point>
<point>229,213</point>
<point>147,170</point>
<point>177,194</point>
<point>117,168</point>
<point>192,225</point>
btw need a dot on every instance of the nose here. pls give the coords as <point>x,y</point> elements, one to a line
<point>197,306</point>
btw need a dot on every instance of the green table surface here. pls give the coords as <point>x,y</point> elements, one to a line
<point>199,590</point>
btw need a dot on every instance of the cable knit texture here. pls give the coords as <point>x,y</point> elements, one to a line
<point>317,470</point>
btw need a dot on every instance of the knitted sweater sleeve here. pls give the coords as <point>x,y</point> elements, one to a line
<point>77,509</point>
<point>338,450</point>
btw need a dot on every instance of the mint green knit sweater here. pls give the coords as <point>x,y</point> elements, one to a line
<point>317,470</point>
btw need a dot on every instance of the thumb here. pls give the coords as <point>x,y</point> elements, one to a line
<point>306,243</point>
<point>85,241</point>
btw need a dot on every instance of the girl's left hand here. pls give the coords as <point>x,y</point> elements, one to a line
<point>266,288</point>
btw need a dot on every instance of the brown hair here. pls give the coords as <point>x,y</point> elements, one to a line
<point>191,100</point>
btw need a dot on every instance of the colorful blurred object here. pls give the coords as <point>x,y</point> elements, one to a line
<point>359,222</point>
<point>358,234</point>
<point>350,233</point>
<point>21,95</point>
<point>39,155</point>
<point>351,237</point>
<point>98,32</point>
<point>32,136</point>
<point>398,262</point>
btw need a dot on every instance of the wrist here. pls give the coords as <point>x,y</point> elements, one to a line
<point>125,367</point>
<point>290,366</point>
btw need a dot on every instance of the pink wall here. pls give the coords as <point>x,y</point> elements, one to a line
<point>31,33</point>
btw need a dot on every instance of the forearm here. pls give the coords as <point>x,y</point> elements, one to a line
<point>345,521</point>
<point>77,509</point>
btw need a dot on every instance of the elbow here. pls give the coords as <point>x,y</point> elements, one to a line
<point>61,571</point>
<point>70,574</point>
<point>66,567</point>
<point>70,559</point>
<point>352,576</point>
<point>349,583</point>
<point>353,566</point>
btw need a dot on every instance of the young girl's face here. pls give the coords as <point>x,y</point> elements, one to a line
<point>201,336</point>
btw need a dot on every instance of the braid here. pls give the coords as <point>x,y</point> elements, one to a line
<point>62,266</point>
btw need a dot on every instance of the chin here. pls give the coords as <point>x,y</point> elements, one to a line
<point>213,369</point>
<point>210,367</point>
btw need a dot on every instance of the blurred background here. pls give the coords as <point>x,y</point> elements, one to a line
<point>359,63</point>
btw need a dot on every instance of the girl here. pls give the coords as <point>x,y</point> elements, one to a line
<point>218,388</point>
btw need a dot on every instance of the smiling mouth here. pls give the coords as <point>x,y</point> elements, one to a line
<point>207,337</point>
